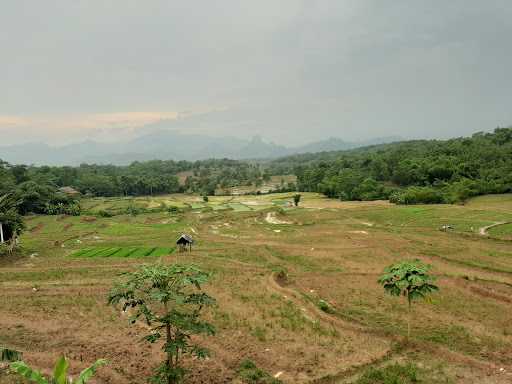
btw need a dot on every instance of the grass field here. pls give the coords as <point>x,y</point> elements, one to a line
<point>54,297</point>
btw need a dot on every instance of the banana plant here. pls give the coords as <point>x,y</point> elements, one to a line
<point>60,372</point>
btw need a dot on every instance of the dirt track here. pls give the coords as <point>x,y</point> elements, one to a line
<point>483,231</point>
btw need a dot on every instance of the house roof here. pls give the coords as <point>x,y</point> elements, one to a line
<point>185,237</point>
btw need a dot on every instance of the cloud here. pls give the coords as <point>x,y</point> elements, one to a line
<point>291,70</point>
<point>63,128</point>
<point>13,121</point>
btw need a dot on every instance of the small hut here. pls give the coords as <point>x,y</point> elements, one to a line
<point>185,241</point>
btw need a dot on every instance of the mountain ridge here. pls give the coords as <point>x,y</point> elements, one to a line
<point>168,145</point>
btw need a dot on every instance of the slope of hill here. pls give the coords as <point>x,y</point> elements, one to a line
<point>296,289</point>
<point>416,171</point>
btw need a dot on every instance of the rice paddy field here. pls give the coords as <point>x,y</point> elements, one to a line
<point>120,205</point>
<point>296,288</point>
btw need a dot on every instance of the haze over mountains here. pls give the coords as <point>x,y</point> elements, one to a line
<point>167,145</point>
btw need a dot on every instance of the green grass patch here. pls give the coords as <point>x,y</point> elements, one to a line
<point>502,231</point>
<point>124,252</point>
<point>237,207</point>
<point>220,207</point>
<point>391,374</point>
<point>161,251</point>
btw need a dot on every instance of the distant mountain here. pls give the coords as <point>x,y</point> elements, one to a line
<point>166,145</point>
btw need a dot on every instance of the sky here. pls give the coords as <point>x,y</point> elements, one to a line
<point>290,71</point>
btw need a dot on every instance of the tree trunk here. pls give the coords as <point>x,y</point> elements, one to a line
<point>169,362</point>
<point>169,356</point>
<point>409,318</point>
<point>1,233</point>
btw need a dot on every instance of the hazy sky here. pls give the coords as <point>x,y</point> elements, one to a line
<point>291,71</point>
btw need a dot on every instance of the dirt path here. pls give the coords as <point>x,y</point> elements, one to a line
<point>37,228</point>
<point>483,231</point>
<point>309,309</point>
<point>272,219</point>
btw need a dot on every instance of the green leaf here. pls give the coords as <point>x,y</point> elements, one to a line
<point>61,371</point>
<point>25,371</point>
<point>87,373</point>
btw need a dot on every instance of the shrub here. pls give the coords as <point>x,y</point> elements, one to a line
<point>72,208</point>
<point>325,306</point>
<point>417,195</point>
<point>132,210</point>
<point>103,213</point>
<point>60,373</point>
<point>249,373</point>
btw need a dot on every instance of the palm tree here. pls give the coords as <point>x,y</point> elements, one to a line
<point>60,372</point>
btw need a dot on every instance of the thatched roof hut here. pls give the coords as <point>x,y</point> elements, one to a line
<point>185,241</point>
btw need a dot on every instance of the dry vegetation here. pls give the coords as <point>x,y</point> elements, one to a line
<point>271,281</point>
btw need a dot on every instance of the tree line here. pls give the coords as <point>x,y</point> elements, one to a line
<point>38,186</point>
<point>409,172</point>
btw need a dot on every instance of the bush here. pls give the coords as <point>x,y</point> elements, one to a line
<point>465,189</point>
<point>103,213</point>
<point>325,306</point>
<point>72,209</point>
<point>417,195</point>
<point>249,373</point>
<point>133,210</point>
<point>4,249</point>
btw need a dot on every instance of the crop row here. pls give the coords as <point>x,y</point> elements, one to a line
<point>124,252</point>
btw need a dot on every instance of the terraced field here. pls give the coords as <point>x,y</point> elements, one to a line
<point>274,267</point>
<point>124,252</point>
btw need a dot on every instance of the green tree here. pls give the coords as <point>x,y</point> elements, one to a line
<point>11,222</point>
<point>60,372</point>
<point>170,300</point>
<point>296,199</point>
<point>409,279</point>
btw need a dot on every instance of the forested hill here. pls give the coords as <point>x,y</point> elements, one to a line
<point>429,171</point>
<point>409,172</point>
